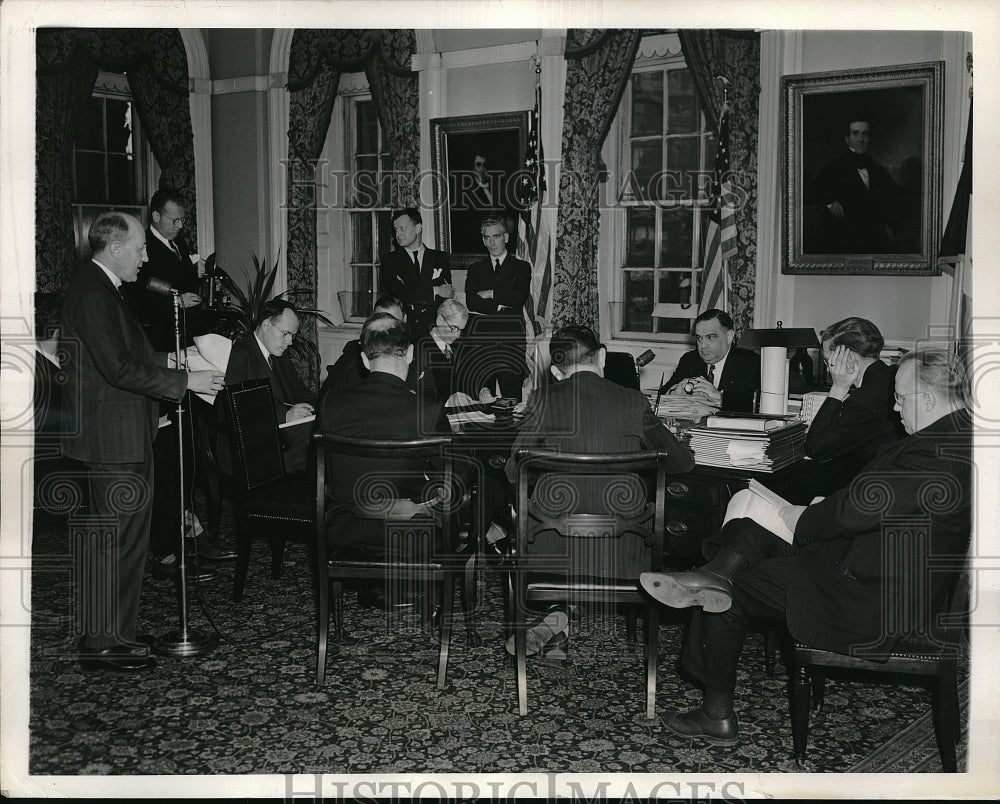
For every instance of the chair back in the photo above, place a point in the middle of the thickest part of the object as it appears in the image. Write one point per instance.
(591, 516)
(253, 433)
(619, 367)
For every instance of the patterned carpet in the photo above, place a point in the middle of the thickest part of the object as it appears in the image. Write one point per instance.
(251, 705)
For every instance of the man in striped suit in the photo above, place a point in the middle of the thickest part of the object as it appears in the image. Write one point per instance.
(113, 387)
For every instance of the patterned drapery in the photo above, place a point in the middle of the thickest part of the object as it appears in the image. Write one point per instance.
(598, 66)
(735, 55)
(67, 63)
(316, 61)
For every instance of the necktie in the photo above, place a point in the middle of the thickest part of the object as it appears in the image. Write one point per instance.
(496, 265)
(711, 373)
(173, 248)
(416, 261)
(270, 362)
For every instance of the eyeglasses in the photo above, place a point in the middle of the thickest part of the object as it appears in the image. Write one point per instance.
(899, 397)
(451, 326)
(285, 333)
(174, 221)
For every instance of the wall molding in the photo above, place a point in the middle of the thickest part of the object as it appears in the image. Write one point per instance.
(201, 124)
(480, 57)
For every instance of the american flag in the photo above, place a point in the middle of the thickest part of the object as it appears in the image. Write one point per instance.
(533, 231)
(720, 240)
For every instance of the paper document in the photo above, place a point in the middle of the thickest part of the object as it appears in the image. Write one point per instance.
(294, 422)
(761, 505)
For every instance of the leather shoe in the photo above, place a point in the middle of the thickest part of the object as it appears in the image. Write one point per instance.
(695, 588)
(556, 650)
(118, 659)
(555, 622)
(210, 550)
(695, 723)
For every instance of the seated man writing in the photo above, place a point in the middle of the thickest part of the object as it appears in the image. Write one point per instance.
(584, 412)
(723, 375)
(831, 584)
(262, 355)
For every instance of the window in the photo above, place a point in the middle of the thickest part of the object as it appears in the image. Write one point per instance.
(110, 158)
(666, 160)
(370, 166)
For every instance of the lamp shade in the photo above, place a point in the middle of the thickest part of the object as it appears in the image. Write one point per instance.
(792, 338)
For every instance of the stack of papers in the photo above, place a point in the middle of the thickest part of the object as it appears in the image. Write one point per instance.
(757, 450)
(683, 407)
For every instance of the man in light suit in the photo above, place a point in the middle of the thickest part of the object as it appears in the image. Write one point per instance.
(720, 372)
(416, 275)
(584, 412)
(846, 583)
(261, 355)
(112, 389)
(496, 288)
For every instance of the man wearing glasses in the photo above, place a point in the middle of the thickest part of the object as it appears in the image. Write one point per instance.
(435, 359)
(263, 355)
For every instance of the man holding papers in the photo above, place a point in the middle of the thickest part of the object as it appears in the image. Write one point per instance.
(843, 584)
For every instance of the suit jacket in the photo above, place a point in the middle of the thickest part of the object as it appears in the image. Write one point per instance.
(434, 370)
(587, 413)
(113, 375)
(846, 571)
(399, 278)
(349, 370)
(379, 406)
(510, 285)
(247, 362)
(155, 311)
(740, 377)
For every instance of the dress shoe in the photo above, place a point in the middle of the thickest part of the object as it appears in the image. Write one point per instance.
(556, 621)
(118, 659)
(211, 550)
(165, 569)
(695, 588)
(695, 723)
(556, 650)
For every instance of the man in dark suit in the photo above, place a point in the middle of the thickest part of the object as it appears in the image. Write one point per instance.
(433, 356)
(496, 288)
(856, 420)
(584, 412)
(721, 373)
(112, 389)
(261, 355)
(381, 405)
(845, 584)
(170, 261)
(860, 200)
(416, 275)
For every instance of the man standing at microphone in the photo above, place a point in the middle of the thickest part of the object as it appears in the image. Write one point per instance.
(113, 383)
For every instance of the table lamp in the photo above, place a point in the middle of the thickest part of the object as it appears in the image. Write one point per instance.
(774, 345)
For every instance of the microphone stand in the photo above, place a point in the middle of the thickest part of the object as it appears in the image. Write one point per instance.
(184, 642)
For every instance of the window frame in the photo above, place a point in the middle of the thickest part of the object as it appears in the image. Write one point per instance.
(659, 53)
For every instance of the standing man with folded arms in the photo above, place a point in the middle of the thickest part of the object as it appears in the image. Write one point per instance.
(113, 385)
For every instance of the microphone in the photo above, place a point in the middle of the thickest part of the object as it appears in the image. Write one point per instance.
(161, 286)
(645, 358)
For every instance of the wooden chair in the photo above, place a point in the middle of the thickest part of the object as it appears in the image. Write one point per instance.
(587, 548)
(418, 551)
(932, 656)
(267, 501)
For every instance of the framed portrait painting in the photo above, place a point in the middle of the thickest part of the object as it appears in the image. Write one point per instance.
(862, 171)
(477, 160)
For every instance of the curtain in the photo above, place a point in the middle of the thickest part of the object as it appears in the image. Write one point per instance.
(316, 60)
(67, 63)
(598, 66)
(735, 55)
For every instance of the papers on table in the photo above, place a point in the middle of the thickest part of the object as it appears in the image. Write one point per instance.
(749, 449)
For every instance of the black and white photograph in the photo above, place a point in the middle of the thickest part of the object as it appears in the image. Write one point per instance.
(371, 429)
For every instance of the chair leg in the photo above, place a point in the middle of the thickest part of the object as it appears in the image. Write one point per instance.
(800, 713)
(652, 650)
(244, 542)
(520, 625)
(469, 602)
(447, 595)
(947, 715)
(323, 615)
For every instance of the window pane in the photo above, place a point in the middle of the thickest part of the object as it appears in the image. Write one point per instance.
(366, 128)
(361, 237)
(121, 179)
(647, 104)
(638, 307)
(641, 237)
(682, 103)
(90, 134)
(362, 300)
(647, 162)
(90, 178)
(675, 287)
(711, 145)
(118, 116)
(366, 182)
(682, 164)
(675, 248)
(386, 241)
